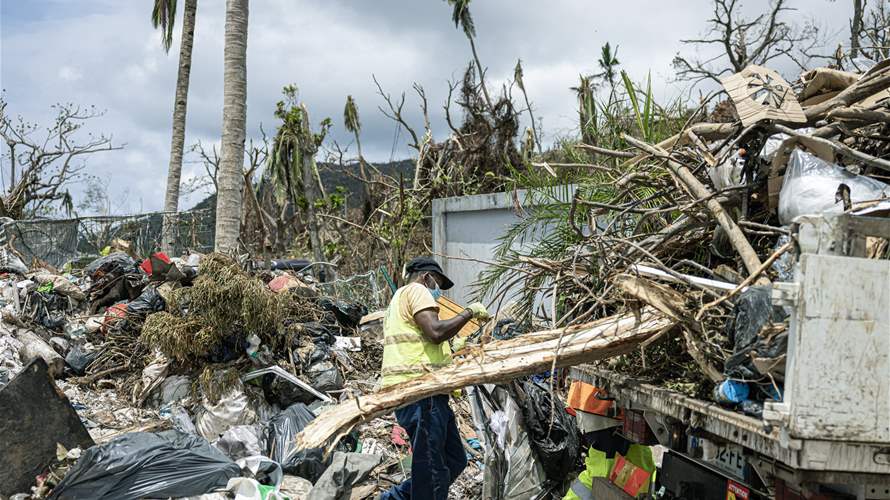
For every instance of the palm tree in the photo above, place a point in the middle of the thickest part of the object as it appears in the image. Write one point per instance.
(163, 17)
(229, 177)
(354, 125)
(293, 166)
(517, 77)
(462, 18)
(608, 62)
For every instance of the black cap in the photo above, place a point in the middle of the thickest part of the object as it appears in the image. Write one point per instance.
(421, 264)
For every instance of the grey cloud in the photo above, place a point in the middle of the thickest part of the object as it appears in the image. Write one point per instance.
(113, 59)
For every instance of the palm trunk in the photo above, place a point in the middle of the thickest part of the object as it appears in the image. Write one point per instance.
(312, 218)
(481, 75)
(174, 171)
(855, 29)
(230, 179)
(366, 210)
(311, 181)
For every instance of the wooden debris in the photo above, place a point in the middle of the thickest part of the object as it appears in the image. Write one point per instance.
(497, 362)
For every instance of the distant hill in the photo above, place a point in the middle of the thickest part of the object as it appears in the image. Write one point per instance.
(332, 176)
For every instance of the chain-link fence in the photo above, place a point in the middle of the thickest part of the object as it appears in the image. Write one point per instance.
(370, 289)
(59, 241)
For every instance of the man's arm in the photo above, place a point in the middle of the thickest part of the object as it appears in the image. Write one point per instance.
(438, 331)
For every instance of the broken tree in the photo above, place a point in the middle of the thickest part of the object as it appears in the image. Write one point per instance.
(496, 362)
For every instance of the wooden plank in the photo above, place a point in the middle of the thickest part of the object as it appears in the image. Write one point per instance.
(449, 309)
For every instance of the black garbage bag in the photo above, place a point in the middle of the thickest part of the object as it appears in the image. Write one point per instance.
(323, 374)
(148, 465)
(48, 309)
(279, 391)
(319, 333)
(117, 263)
(149, 301)
(281, 429)
(78, 359)
(309, 464)
(558, 446)
(753, 311)
(348, 315)
(279, 436)
(228, 349)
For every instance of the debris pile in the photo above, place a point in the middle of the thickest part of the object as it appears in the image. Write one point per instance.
(697, 226)
(194, 375)
(183, 376)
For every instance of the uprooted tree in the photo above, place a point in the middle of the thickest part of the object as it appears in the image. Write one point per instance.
(39, 164)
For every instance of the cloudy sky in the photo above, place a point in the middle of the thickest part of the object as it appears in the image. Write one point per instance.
(105, 53)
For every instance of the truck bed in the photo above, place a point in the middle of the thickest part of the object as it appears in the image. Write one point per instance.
(825, 461)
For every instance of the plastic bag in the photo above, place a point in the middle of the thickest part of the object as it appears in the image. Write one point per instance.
(555, 438)
(78, 359)
(250, 489)
(48, 309)
(347, 314)
(11, 263)
(241, 441)
(753, 310)
(512, 471)
(59, 285)
(262, 469)
(147, 465)
(346, 470)
(116, 263)
(148, 302)
(728, 174)
(212, 420)
(784, 265)
(280, 433)
(282, 428)
(811, 184)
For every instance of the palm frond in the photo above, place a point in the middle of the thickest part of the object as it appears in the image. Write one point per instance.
(163, 17)
(350, 116)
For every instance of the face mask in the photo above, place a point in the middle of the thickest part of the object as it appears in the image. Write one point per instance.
(435, 292)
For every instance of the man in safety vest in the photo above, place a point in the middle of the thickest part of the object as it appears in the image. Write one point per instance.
(415, 342)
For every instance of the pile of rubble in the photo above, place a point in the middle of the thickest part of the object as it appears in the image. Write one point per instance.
(188, 376)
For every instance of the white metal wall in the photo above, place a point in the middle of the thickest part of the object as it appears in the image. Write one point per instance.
(467, 229)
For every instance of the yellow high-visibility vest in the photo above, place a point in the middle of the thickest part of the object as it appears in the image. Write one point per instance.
(407, 354)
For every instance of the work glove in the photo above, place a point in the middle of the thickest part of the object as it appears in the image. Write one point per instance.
(479, 311)
(458, 343)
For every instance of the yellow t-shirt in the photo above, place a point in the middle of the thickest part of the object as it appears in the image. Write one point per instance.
(415, 298)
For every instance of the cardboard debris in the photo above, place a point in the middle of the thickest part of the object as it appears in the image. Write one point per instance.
(762, 94)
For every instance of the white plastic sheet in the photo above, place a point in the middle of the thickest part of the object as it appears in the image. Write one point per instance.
(811, 184)
(212, 420)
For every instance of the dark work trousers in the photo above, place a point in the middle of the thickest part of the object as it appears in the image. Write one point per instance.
(438, 451)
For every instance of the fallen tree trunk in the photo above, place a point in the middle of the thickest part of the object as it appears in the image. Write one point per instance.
(496, 362)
